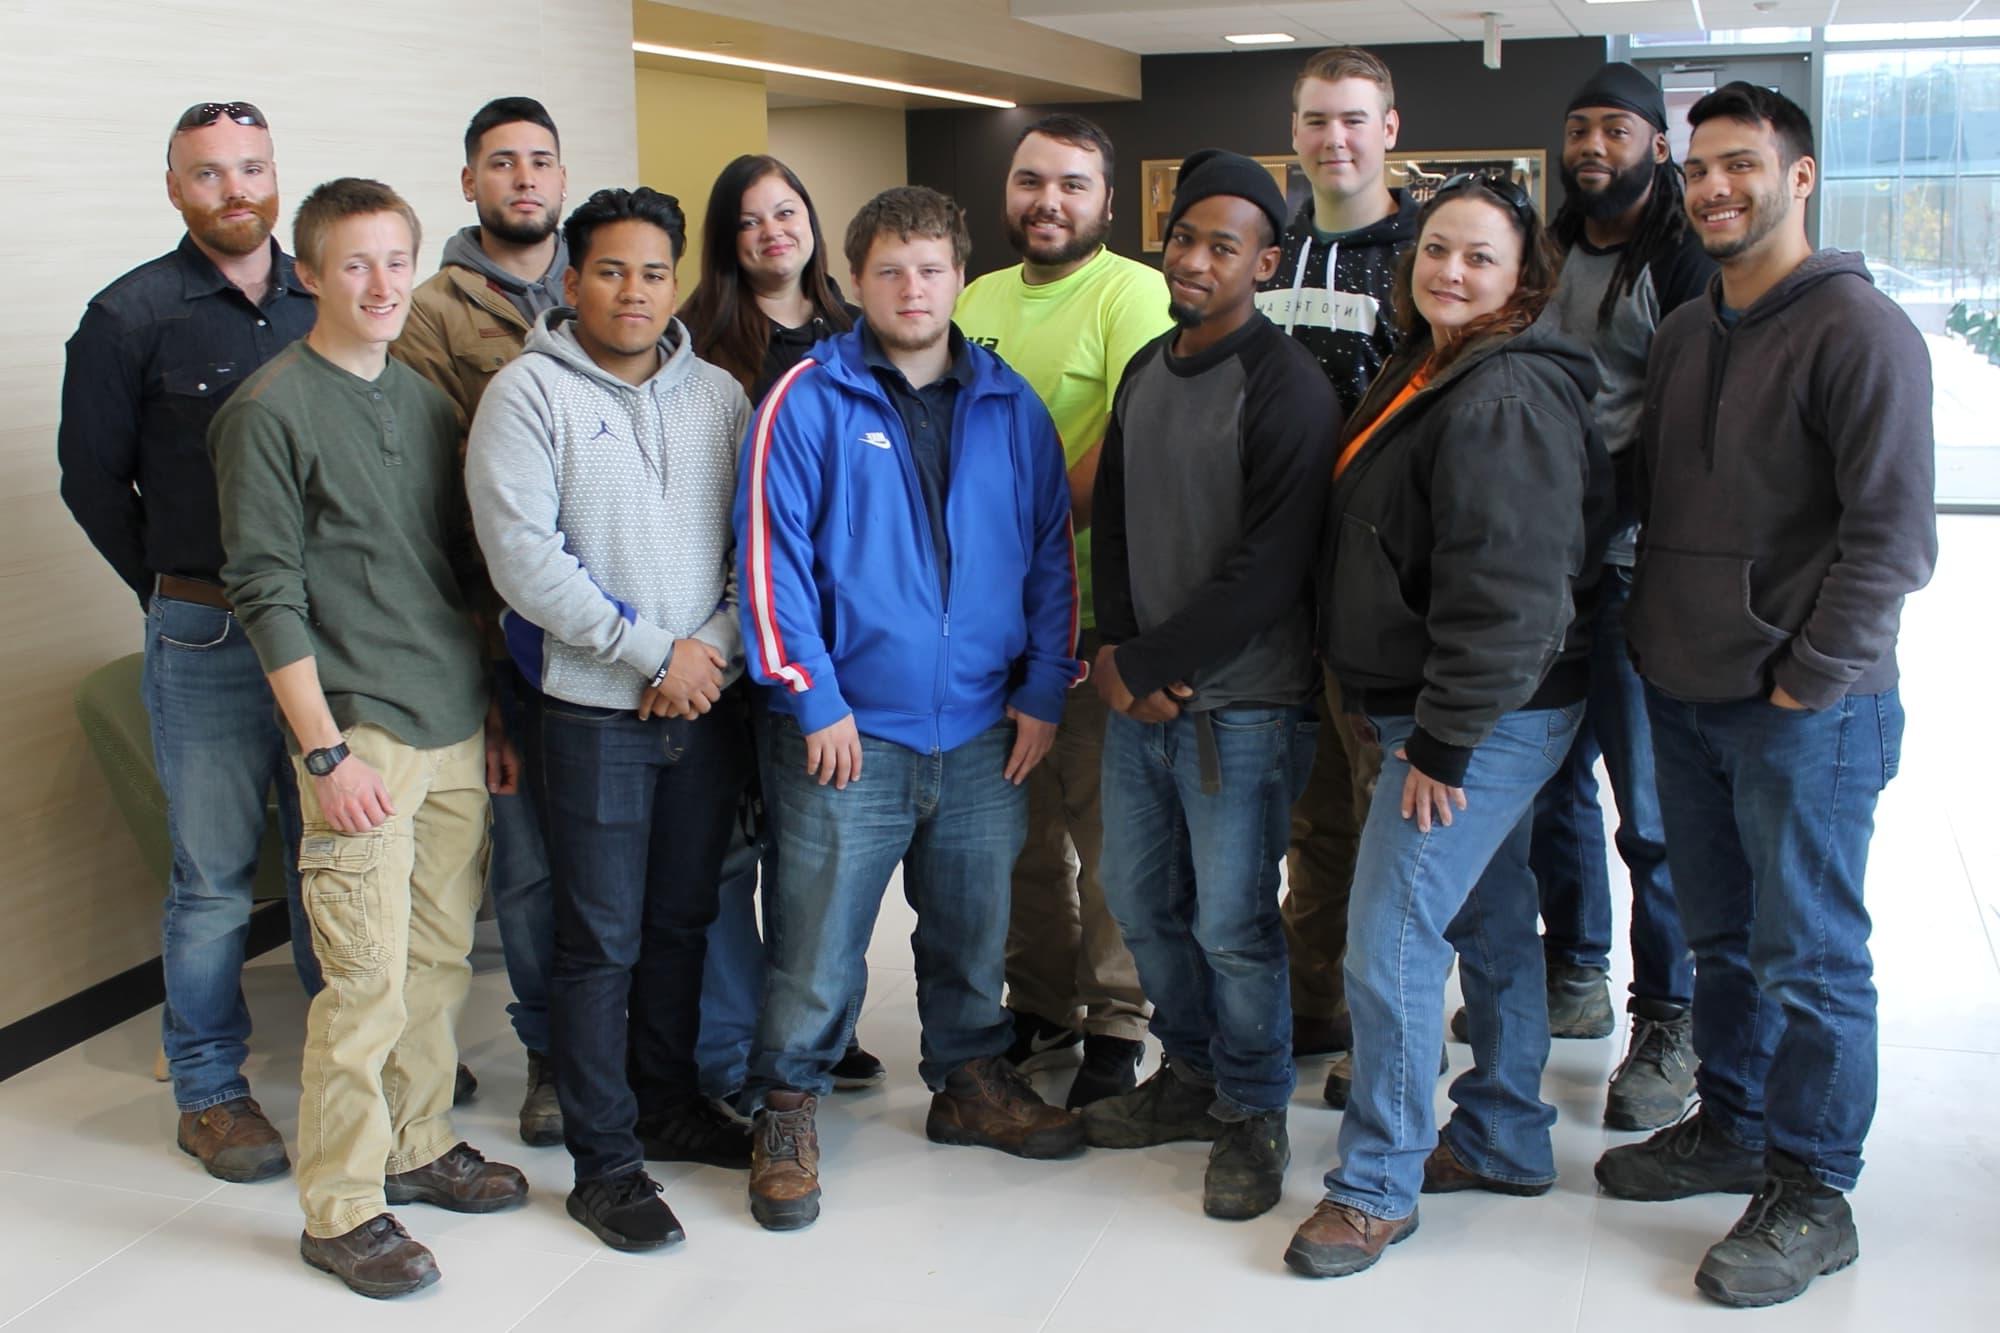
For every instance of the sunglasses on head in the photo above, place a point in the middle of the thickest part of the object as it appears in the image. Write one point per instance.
(1500, 187)
(207, 113)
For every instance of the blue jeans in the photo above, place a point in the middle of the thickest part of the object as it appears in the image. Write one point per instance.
(1569, 854)
(732, 979)
(1769, 815)
(1192, 877)
(1418, 898)
(218, 752)
(518, 877)
(639, 820)
(956, 824)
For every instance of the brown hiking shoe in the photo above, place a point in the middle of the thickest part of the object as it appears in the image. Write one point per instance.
(989, 1104)
(1445, 1174)
(1338, 1240)
(234, 1141)
(376, 1259)
(784, 1162)
(461, 1181)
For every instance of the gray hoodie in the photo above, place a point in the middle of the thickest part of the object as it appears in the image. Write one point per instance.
(603, 509)
(530, 298)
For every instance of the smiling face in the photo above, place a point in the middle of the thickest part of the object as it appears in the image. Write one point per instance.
(623, 291)
(224, 183)
(517, 182)
(773, 234)
(908, 287)
(1216, 254)
(1608, 159)
(1739, 192)
(1058, 207)
(1468, 264)
(361, 279)
(1342, 133)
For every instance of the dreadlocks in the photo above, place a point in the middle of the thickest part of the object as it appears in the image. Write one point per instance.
(1660, 229)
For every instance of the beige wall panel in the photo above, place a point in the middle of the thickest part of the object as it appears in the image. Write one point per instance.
(846, 155)
(690, 128)
(92, 87)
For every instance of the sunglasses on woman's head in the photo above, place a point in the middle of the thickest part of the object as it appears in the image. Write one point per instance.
(1501, 188)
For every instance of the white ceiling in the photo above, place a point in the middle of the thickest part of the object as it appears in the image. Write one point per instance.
(1155, 27)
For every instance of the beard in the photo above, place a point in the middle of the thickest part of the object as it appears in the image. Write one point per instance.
(515, 230)
(896, 340)
(1767, 210)
(240, 237)
(1185, 316)
(1082, 241)
(1624, 189)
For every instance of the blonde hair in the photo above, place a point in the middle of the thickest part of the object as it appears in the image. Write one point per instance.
(348, 197)
(1347, 62)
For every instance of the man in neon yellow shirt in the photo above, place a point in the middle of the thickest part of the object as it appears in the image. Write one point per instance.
(1068, 318)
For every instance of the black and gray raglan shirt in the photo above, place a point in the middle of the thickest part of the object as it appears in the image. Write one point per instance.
(1211, 489)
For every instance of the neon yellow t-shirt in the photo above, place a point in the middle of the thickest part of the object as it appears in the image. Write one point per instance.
(1070, 339)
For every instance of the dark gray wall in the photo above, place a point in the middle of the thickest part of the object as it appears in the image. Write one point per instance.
(1447, 98)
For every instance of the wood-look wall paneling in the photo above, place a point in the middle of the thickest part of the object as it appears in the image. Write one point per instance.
(1447, 100)
(92, 88)
(690, 128)
(846, 155)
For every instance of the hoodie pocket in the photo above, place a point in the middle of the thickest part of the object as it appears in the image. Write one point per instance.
(1692, 629)
(1375, 633)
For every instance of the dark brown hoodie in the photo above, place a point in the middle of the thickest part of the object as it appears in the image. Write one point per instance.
(1785, 491)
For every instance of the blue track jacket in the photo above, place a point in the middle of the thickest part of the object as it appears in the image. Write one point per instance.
(839, 576)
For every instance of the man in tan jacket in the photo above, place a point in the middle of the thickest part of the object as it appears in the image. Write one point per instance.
(465, 323)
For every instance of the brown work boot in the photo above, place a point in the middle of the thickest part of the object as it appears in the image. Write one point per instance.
(1445, 1174)
(461, 1181)
(784, 1162)
(1338, 1240)
(376, 1259)
(989, 1104)
(234, 1141)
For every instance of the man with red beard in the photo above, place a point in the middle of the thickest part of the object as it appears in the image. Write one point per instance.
(157, 353)
(1067, 319)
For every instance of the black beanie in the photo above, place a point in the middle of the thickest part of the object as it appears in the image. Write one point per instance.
(1214, 171)
(1619, 84)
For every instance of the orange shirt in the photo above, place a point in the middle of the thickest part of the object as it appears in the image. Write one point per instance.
(1408, 391)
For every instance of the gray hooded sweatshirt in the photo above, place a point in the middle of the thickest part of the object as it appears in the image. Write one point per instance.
(603, 509)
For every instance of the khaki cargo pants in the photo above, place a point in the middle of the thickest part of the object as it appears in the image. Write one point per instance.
(1319, 867)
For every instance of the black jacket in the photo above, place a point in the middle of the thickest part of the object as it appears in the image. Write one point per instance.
(1463, 542)
(1786, 491)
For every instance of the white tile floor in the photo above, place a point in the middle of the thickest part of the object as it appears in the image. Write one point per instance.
(107, 1227)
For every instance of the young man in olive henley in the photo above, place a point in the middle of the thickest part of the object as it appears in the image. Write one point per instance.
(341, 504)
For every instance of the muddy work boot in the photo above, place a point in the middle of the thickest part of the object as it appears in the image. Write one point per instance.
(1652, 1084)
(1169, 1107)
(784, 1162)
(1246, 1167)
(234, 1142)
(1795, 1229)
(376, 1259)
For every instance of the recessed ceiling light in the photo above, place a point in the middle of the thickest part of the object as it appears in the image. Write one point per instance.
(807, 72)
(1617, 2)
(1258, 38)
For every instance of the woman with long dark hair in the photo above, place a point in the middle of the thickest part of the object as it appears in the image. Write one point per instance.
(764, 295)
(1471, 501)
(764, 298)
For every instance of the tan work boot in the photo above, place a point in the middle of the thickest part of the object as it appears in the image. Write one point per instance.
(989, 1104)
(376, 1259)
(784, 1162)
(1338, 1240)
(234, 1141)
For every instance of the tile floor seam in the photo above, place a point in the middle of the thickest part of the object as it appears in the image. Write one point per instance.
(214, 1190)
(548, 1295)
(48, 1296)
(1979, 906)
(1082, 1264)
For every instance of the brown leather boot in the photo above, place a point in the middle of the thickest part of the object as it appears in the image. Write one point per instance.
(376, 1259)
(784, 1162)
(1337, 1240)
(234, 1141)
(988, 1104)
(1445, 1174)
(461, 1181)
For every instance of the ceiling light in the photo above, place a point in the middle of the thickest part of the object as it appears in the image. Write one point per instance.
(806, 72)
(1617, 2)
(1258, 38)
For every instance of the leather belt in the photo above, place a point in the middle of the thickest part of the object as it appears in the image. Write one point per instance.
(190, 590)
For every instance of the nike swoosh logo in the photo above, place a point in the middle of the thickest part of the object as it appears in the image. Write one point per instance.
(1038, 1043)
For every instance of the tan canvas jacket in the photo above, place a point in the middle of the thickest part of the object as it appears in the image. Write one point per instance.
(459, 334)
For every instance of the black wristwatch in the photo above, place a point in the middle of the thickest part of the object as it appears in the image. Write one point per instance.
(319, 763)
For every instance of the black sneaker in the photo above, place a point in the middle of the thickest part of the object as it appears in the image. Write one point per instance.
(1679, 1162)
(1795, 1229)
(1340, 1077)
(464, 1087)
(695, 1131)
(626, 1212)
(1040, 1044)
(1110, 1069)
(1169, 1107)
(1246, 1167)
(1579, 1002)
(1652, 1084)
(857, 1069)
